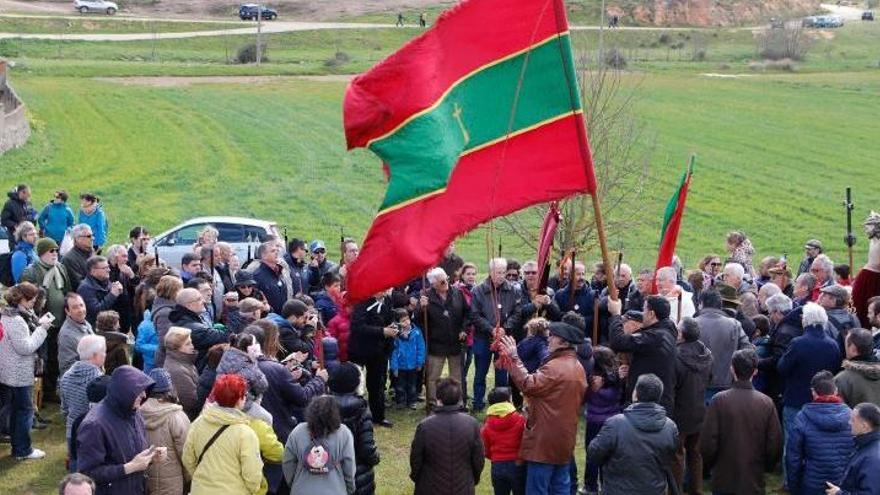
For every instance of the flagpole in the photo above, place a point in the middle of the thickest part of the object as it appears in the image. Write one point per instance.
(603, 242)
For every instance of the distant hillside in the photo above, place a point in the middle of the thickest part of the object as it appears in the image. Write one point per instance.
(693, 12)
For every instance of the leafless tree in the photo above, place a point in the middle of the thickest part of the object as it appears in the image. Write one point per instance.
(621, 150)
(791, 42)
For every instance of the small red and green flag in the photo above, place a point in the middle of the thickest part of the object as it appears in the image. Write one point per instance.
(672, 218)
(478, 117)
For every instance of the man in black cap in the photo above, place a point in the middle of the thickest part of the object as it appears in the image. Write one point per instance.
(812, 248)
(652, 346)
(555, 392)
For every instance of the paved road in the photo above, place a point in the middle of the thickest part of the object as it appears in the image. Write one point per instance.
(846, 13)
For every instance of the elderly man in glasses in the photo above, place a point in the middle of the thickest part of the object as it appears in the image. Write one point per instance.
(75, 259)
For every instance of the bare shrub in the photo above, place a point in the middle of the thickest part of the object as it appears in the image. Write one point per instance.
(791, 42)
(247, 54)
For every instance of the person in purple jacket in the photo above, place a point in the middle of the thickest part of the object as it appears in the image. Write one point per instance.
(112, 446)
(604, 399)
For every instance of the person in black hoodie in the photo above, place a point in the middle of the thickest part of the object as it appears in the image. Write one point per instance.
(693, 368)
(17, 209)
(356, 416)
(652, 346)
(370, 342)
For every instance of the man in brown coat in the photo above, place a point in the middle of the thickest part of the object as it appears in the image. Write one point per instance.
(555, 393)
(741, 436)
(446, 455)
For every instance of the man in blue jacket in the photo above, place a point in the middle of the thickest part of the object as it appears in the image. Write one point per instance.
(808, 354)
(821, 440)
(862, 474)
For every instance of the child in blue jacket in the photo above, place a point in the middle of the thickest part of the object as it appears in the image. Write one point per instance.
(407, 360)
(147, 341)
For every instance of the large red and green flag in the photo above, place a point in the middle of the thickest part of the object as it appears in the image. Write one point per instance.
(478, 117)
(672, 218)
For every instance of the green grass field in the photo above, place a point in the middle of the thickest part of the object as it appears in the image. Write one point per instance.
(775, 150)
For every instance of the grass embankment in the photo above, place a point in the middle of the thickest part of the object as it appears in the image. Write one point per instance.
(103, 25)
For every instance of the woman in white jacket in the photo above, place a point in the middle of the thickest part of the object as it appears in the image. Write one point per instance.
(23, 335)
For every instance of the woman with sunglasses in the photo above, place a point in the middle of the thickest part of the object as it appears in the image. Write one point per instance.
(711, 267)
(56, 217)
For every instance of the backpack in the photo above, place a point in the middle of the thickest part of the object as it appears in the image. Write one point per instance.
(317, 459)
(6, 278)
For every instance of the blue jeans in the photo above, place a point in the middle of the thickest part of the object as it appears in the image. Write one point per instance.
(482, 358)
(405, 390)
(788, 415)
(508, 478)
(591, 476)
(548, 479)
(21, 420)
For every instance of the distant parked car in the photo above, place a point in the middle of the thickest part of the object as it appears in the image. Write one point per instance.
(868, 15)
(244, 234)
(4, 242)
(249, 11)
(95, 6)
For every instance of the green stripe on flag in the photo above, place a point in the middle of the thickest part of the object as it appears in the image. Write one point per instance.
(476, 112)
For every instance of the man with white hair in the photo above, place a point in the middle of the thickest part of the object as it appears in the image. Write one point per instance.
(808, 354)
(92, 350)
(681, 302)
(785, 325)
(734, 275)
(766, 292)
(823, 269)
(448, 315)
(535, 304)
(496, 304)
(75, 260)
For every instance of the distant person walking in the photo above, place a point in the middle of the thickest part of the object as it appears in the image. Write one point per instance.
(399, 22)
(423, 20)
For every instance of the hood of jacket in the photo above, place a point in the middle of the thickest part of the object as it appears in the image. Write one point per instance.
(695, 356)
(330, 346)
(126, 383)
(350, 405)
(219, 416)
(156, 413)
(830, 417)
(239, 363)
(870, 369)
(646, 416)
(793, 317)
(81, 373)
(180, 316)
(501, 418)
(25, 247)
(99, 208)
(160, 303)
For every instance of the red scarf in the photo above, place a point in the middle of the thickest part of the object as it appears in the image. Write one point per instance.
(828, 399)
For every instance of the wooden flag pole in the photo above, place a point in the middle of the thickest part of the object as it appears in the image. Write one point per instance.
(603, 243)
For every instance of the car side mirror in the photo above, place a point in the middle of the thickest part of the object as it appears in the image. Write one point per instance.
(171, 241)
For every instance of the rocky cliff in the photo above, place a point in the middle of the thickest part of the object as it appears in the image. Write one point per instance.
(707, 12)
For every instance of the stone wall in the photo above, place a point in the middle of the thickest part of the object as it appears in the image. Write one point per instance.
(14, 127)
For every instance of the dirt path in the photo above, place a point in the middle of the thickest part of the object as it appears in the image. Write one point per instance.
(846, 13)
(182, 81)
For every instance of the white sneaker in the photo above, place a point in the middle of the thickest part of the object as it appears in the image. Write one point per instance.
(35, 454)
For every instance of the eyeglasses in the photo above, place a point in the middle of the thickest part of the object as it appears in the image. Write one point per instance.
(53, 250)
(86, 236)
(715, 264)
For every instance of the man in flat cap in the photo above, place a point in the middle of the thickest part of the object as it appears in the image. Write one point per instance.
(834, 298)
(812, 249)
(555, 393)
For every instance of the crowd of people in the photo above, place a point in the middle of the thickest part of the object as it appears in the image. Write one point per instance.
(260, 377)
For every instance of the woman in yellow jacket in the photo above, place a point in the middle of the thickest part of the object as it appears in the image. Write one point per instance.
(222, 451)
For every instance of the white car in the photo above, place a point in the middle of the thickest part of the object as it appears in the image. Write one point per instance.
(244, 234)
(4, 242)
(95, 6)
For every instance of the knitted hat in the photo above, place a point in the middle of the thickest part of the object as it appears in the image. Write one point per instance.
(45, 244)
(162, 379)
(345, 379)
